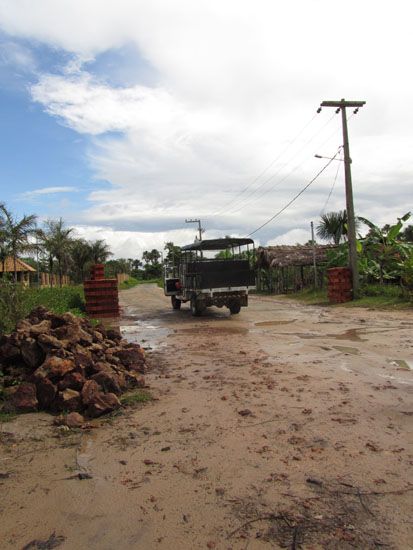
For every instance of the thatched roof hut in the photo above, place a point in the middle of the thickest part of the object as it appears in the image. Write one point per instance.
(23, 270)
(297, 255)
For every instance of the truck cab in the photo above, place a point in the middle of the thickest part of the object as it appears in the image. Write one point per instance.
(214, 272)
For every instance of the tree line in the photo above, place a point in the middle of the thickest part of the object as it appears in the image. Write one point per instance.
(53, 248)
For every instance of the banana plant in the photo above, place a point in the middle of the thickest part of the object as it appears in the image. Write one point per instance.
(382, 252)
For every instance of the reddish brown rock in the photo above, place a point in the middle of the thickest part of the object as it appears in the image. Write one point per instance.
(43, 327)
(132, 357)
(9, 352)
(114, 334)
(46, 392)
(73, 334)
(74, 420)
(67, 400)
(73, 380)
(23, 327)
(32, 353)
(48, 341)
(54, 368)
(102, 403)
(89, 391)
(134, 380)
(24, 398)
(84, 361)
(101, 366)
(109, 382)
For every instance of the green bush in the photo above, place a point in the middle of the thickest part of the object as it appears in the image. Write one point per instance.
(16, 302)
(11, 305)
(58, 300)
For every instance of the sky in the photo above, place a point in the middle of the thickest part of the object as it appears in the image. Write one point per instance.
(127, 117)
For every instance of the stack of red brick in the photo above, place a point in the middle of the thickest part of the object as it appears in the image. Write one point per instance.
(339, 285)
(101, 294)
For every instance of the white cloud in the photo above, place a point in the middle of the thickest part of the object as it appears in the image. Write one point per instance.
(291, 237)
(35, 193)
(17, 55)
(131, 244)
(235, 81)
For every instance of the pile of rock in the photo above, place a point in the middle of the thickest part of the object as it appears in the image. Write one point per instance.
(61, 363)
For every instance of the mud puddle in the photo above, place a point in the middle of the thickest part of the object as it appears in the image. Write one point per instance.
(213, 330)
(402, 364)
(275, 323)
(146, 333)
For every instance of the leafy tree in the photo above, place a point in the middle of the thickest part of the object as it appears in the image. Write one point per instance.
(383, 254)
(172, 253)
(333, 226)
(81, 255)
(100, 251)
(151, 257)
(56, 240)
(152, 267)
(15, 235)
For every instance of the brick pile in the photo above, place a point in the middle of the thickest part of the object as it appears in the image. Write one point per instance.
(101, 294)
(340, 287)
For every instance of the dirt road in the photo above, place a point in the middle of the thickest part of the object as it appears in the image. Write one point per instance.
(285, 426)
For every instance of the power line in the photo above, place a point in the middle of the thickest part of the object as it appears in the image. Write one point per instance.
(296, 196)
(331, 190)
(265, 191)
(290, 143)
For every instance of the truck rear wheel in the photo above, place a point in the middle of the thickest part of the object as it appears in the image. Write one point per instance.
(197, 307)
(176, 304)
(235, 307)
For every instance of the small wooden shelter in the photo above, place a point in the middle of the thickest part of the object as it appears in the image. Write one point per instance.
(287, 256)
(23, 270)
(287, 268)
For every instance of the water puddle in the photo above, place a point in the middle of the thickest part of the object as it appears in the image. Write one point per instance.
(402, 364)
(347, 349)
(213, 330)
(274, 323)
(350, 334)
(145, 333)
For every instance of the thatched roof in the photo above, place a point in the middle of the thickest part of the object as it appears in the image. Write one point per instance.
(297, 255)
(20, 265)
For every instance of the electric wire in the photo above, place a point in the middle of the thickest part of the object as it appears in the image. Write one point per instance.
(331, 190)
(295, 197)
(265, 191)
(290, 143)
(242, 205)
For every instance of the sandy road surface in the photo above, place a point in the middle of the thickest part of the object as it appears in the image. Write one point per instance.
(286, 426)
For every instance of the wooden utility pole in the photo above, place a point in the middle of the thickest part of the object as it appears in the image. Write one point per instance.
(314, 258)
(351, 229)
(200, 230)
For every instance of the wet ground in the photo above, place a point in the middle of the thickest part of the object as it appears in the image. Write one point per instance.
(285, 426)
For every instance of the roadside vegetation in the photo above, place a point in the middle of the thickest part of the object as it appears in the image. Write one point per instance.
(373, 296)
(385, 256)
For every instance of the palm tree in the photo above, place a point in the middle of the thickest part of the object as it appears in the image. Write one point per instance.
(4, 248)
(16, 235)
(100, 251)
(333, 227)
(81, 254)
(56, 241)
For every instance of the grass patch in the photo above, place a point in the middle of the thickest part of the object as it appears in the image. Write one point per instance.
(131, 282)
(133, 398)
(7, 416)
(58, 300)
(372, 296)
(16, 302)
